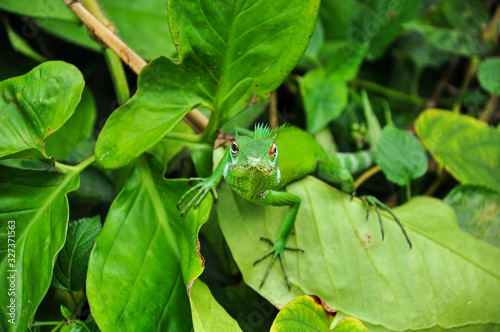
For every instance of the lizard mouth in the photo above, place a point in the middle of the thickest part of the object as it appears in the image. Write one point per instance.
(254, 167)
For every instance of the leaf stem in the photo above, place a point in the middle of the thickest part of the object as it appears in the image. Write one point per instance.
(77, 168)
(117, 76)
(366, 175)
(408, 191)
(48, 323)
(390, 92)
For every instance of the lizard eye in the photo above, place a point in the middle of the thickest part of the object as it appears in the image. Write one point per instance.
(272, 150)
(234, 148)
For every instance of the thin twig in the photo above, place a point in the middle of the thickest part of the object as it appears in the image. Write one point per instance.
(366, 175)
(132, 59)
(273, 110)
(195, 119)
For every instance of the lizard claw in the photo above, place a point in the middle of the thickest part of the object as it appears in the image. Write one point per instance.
(277, 253)
(201, 190)
(375, 202)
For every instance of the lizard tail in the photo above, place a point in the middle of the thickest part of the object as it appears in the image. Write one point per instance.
(355, 161)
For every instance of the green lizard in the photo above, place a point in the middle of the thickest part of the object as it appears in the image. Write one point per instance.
(257, 168)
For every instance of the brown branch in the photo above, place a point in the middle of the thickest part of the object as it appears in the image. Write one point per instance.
(273, 110)
(194, 118)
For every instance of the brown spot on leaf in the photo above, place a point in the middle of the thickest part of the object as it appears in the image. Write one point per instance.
(10, 100)
(251, 100)
(322, 303)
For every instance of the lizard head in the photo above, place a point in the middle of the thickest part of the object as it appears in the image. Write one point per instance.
(253, 163)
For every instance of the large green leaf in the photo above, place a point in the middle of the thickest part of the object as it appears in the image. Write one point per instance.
(146, 258)
(401, 156)
(232, 56)
(449, 279)
(466, 147)
(35, 201)
(35, 105)
(70, 270)
(478, 211)
(249, 47)
(165, 93)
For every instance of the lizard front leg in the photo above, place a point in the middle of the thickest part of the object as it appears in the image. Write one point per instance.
(280, 198)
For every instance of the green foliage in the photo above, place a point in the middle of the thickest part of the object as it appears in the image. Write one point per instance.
(478, 211)
(318, 317)
(489, 75)
(31, 110)
(466, 147)
(343, 251)
(36, 201)
(70, 270)
(401, 156)
(152, 277)
(360, 75)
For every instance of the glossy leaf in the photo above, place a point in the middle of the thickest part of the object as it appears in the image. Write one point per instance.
(70, 270)
(478, 211)
(246, 47)
(229, 62)
(35, 105)
(325, 97)
(305, 313)
(79, 127)
(36, 201)
(208, 315)
(401, 156)
(454, 278)
(166, 92)
(489, 75)
(146, 258)
(466, 147)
